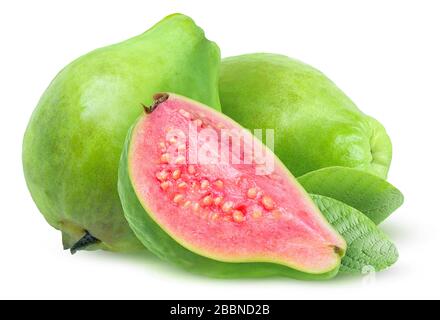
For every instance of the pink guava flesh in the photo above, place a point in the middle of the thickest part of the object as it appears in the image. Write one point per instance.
(224, 210)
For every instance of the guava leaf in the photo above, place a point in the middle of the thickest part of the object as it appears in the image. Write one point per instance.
(372, 195)
(367, 245)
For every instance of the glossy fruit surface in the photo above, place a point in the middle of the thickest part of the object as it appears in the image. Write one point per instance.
(316, 124)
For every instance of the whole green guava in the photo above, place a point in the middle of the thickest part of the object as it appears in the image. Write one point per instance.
(73, 142)
(316, 124)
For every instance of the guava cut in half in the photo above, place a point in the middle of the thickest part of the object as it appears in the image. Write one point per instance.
(200, 191)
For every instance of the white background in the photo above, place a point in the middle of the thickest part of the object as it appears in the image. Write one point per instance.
(384, 54)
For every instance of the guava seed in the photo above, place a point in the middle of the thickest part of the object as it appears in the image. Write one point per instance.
(267, 202)
(162, 175)
(252, 193)
(227, 206)
(176, 174)
(165, 158)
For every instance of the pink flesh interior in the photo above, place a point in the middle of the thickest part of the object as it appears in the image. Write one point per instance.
(224, 211)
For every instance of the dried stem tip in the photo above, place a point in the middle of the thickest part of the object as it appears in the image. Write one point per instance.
(158, 99)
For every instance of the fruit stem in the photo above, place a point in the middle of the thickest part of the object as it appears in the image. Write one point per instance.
(158, 99)
(84, 242)
(339, 251)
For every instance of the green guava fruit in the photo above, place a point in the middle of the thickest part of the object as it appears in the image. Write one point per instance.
(371, 195)
(368, 248)
(316, 125)
(75, 137)
(201, 192)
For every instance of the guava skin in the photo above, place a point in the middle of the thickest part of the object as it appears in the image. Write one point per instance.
(75, 137)
(316, 124)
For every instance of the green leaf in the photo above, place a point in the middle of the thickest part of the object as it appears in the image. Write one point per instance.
(371, 195)
(368, 246)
